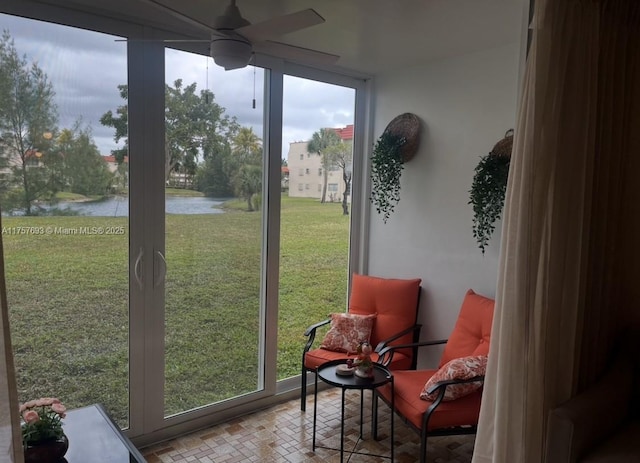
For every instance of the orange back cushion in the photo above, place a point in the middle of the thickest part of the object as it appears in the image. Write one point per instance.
(394, 301)
(472, 332)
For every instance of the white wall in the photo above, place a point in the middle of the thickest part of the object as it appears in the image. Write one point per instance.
(466, 103)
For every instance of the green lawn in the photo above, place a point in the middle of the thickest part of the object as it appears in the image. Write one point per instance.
(68, 299)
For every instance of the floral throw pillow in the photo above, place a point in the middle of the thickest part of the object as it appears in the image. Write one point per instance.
(460, 368)
(347, 332)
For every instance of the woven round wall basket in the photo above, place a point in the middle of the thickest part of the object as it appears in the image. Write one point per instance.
(407, 126)
(504, 146)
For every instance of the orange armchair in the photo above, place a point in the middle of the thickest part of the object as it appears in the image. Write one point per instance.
(394, 302)
(440, 416)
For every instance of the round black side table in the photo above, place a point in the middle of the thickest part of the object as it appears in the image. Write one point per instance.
(327, 373)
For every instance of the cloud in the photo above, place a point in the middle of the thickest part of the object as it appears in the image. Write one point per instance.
(86, 68)
(311, 105)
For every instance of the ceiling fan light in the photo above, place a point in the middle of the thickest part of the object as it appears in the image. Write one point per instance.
(231, 53)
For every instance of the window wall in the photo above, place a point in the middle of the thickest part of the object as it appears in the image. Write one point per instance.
(162, 295)
(315, 231)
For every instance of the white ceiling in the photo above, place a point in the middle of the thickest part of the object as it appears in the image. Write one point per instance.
(371, 36)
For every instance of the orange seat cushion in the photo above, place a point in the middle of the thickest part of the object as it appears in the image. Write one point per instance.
(472, 332)
(394, 301)
(408, 385)
(316, 357)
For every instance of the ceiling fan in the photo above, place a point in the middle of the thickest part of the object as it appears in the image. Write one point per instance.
(234, 39)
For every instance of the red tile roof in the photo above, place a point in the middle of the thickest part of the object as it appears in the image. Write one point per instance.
(112, 158)
(345, 133)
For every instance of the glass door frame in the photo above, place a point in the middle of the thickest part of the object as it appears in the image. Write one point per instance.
(360, 183)
(146, 222)
(146, 133)
(146, 243)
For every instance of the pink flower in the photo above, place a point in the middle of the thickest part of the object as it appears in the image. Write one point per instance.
(31, 416)
(58, 408)
(45, 401)
(30, 404)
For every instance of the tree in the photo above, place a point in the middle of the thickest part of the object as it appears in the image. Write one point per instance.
(212, 177)
(85, 171)
(318, 144)
(120, 123)
(342, 155)
(247, 146)
(247, 154)
(28, 117)
(284, 175)
(248, 182)
(195, 126)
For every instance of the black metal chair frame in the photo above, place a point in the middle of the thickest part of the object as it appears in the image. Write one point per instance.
(310, 333)
(386, 355)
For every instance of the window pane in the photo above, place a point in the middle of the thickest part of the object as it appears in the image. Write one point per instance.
(64, 200)
(213, 206)
(314, 242)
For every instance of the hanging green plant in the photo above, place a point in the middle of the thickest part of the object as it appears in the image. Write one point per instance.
(488, 190)
(386, 168)
(396, 146)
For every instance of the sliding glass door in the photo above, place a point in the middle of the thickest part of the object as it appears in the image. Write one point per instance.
(214, 176)
(145, 274)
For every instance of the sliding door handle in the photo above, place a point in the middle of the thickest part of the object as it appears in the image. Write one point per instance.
(160, 270)
(137, 269)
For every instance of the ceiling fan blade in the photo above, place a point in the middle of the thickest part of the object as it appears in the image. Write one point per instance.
(165, 40)
(281, 25)
(293, 53)
(181, 16)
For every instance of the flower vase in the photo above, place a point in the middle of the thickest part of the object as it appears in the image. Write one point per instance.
(364, 372)
(47, 451)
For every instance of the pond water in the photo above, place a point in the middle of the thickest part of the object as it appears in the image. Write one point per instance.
(119, 206)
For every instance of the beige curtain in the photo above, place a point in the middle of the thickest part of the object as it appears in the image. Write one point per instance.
(10, 436)
(570, 249)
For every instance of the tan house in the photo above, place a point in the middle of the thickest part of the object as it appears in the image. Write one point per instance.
(306, 174)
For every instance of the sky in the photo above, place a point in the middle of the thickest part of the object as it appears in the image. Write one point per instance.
(86, 67)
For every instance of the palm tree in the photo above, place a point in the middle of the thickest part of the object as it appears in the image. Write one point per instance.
(248, 146)
(248, 182)
(318, 144)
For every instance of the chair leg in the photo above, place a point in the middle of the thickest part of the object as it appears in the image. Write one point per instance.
(303, 389)
(423, 446)
(374, 416)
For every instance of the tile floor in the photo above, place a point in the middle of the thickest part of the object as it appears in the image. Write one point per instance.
(284, 434)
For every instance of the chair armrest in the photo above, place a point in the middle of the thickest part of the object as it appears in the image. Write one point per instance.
(382, 344)
(441, 387)
(386, 354)
(591, 416)
(312, 329)
(311, 333)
